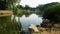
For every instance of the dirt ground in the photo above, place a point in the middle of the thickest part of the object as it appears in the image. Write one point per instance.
(47, 31)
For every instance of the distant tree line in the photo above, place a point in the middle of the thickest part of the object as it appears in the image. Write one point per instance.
(39, 9)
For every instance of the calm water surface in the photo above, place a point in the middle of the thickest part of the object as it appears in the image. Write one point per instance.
(32, 19)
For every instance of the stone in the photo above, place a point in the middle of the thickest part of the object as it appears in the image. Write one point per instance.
(33, 27)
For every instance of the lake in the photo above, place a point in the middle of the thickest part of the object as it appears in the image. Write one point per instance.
(32, 19)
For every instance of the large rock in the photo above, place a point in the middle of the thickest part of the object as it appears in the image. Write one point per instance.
(33, 27)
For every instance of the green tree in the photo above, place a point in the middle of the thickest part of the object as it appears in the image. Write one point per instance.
(27, 7)
(20, 7)
(52, 13)
(5, 4)
(40, 8)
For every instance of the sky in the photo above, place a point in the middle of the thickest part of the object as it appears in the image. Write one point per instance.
(34, 3)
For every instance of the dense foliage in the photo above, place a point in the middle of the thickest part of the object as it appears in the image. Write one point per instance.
(53, 13)
(8, 26)
(43, 7)
(5, 4)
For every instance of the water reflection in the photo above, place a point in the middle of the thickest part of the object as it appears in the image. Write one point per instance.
(32, 19)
